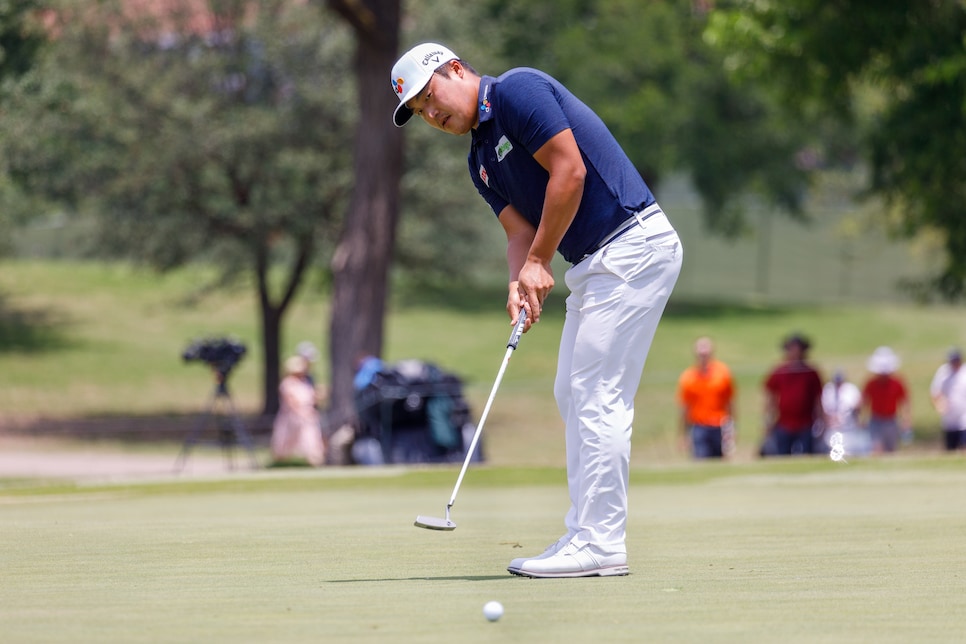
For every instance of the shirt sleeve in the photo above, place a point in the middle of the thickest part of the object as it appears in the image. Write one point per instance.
(936, 386)
(771, 382)
(683, 381)
(531, 110)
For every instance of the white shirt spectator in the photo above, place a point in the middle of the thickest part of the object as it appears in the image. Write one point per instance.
(840, 401)
(948, 391)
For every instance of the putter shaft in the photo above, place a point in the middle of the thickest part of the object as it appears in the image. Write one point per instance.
(433, 523)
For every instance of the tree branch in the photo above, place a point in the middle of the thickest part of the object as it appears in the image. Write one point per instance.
(356, 12)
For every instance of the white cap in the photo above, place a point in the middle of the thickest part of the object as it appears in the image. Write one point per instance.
(308, 351)
(883, 361)
(412, 72)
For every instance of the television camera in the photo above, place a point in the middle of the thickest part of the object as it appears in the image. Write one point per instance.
(221, 354)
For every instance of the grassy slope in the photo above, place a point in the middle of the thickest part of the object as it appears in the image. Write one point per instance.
(84, 339)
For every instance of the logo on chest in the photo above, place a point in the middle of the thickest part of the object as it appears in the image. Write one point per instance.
(485, 177)
(503, 148)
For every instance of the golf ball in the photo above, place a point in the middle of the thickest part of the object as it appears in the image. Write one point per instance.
(493, 610)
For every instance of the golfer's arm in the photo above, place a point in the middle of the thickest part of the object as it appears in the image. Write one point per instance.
(560, 157)
(519, 239)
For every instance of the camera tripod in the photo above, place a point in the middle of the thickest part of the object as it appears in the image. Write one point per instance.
(231, 430)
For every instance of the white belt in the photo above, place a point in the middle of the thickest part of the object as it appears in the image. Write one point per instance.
(652, 221)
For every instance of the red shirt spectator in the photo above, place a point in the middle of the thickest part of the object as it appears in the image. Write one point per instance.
(796, 389)
(886, 401)
(884, 394)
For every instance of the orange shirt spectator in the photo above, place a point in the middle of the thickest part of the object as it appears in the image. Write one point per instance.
(705, 392)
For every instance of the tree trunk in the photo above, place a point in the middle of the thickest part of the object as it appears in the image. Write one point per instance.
(363, 257)
(272, 315)
(271, 343)
(271, 330)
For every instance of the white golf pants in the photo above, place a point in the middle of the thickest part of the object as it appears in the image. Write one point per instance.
(617, 297)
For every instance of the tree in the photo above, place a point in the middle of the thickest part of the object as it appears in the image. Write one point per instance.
(20, 39)
(896, 71)
(425, 199)
(644, 67)
(20, 36)
(195, 134)
(360, 265)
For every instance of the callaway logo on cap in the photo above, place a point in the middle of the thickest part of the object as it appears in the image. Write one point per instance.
(412, 72)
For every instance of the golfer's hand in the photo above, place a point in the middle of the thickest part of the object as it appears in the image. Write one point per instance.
(514, 304)
(534, 285)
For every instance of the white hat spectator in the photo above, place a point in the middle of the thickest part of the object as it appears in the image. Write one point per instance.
(883, 361)
(308, 351)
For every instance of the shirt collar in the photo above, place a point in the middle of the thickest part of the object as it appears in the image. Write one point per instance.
(486, 92)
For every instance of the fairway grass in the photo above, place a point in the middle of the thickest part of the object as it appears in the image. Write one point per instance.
(777, 551)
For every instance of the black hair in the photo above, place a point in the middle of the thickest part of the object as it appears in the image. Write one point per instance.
(443, 70)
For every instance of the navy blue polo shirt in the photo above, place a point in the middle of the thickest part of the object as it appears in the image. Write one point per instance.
(519, 112)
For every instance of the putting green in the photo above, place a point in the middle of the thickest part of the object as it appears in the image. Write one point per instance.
(782, 552)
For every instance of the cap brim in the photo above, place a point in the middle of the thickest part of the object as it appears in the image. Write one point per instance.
(402, 115)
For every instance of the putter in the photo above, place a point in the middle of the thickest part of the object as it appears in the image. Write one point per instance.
(436, 523)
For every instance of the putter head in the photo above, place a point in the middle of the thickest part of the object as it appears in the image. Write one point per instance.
(434, 523)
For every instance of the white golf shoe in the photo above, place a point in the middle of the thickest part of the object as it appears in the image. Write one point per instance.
(552, 549)
(572, 560)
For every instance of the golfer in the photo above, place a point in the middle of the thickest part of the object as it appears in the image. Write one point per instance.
(557, 180)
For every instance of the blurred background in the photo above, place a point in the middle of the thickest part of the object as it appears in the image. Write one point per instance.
(172, 170)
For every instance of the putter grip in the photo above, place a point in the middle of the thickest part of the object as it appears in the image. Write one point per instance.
(517, 331)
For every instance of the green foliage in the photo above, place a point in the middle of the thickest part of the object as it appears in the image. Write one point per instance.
(218, 132)
(912, 58)
(187, 144)
(20, 36)
(20, 41)
(644, 67)
(446, 231)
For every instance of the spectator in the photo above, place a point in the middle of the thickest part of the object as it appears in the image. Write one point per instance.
(308, 351)
(885, 401)
(793, 402)
(948, 393)
(841, 401)
(705, 392)
(367, 368)
(297, 430)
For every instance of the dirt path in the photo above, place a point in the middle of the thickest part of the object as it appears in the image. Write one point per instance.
(23, 457)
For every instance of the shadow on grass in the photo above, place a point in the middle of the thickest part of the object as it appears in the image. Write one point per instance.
(135, 428)
(455, 578)
(31, 330)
